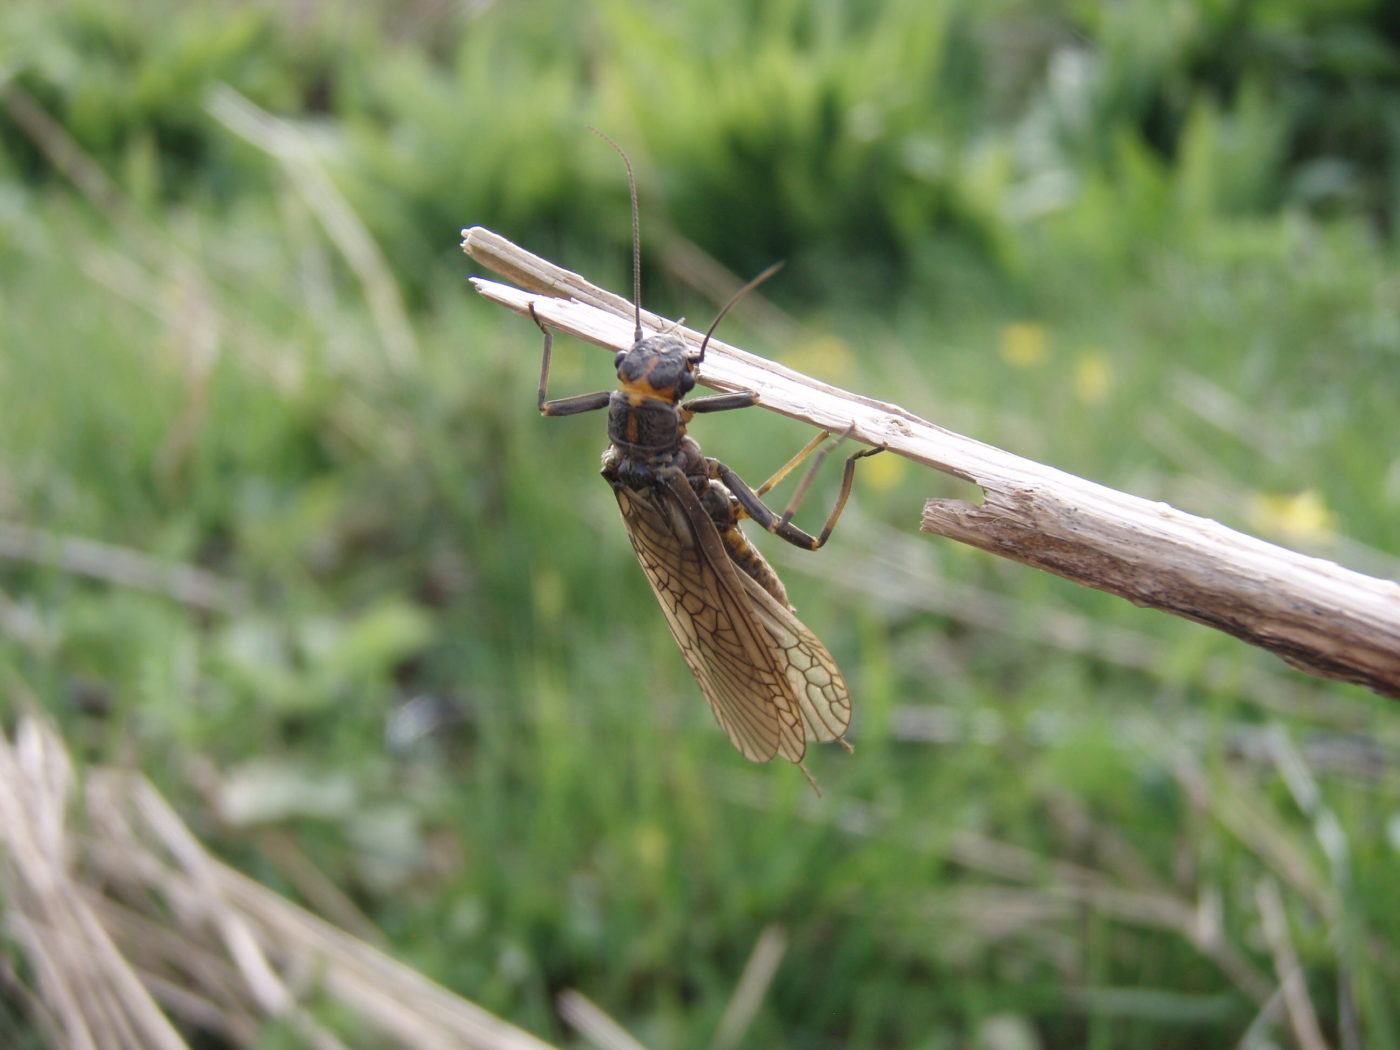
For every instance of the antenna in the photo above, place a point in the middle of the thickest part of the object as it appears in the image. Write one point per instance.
(734, 299)
(636, 238)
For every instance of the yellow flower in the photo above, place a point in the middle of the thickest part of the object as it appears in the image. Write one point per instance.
(650, 847)
(1302, 516)
(825, 357)
(1024, 344)
(1092, 377)
(882, 472)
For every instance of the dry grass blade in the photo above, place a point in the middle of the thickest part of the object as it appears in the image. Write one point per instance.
(93, 996)
(294, 151)
(1301, 1014)
(758, 974)
(1238, 807)
(121, 565)
(1058, 891)
(125, 921)
(595, 1025)
(62, 150)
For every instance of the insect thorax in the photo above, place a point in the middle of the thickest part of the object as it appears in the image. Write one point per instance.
(648, 441)
(647, 430)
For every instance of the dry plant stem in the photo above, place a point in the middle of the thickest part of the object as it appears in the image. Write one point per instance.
(118, 910)
(1321, 618)
(593, 1024)
(753, 985)
(121, 565)
(1301, 1014)
(297, 154)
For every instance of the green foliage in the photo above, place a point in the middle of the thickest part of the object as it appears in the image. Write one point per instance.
(1147, 242)
(905, 139)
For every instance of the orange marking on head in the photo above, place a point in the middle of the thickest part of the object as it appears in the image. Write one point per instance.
(637, 389)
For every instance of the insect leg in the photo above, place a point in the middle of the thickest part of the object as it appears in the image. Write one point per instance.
(781, 524)
(719, 403)
(563, 406)
(787, 467)
(847, 478)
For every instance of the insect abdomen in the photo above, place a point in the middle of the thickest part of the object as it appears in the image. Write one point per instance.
(746, 556)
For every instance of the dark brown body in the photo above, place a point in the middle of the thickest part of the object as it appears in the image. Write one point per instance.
(770, 682)
(649, 445)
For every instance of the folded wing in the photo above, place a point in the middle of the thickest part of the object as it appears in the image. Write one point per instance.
(771, 684)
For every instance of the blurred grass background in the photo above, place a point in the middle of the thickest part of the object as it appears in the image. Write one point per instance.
(1149, 242)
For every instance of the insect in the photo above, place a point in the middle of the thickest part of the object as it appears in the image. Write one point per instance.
(771, 684)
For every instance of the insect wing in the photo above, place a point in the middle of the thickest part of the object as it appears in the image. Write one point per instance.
(822, 697)
(729, 648)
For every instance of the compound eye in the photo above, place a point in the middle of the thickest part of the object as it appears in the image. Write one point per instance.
(618, 359)
(686, 383)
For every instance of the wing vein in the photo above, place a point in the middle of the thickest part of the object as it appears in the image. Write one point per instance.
(770, 683)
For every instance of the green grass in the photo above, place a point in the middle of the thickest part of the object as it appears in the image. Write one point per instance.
(1060, 259)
